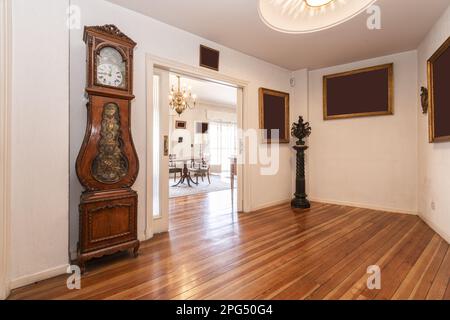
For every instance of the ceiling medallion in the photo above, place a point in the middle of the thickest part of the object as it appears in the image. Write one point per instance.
(306, 16)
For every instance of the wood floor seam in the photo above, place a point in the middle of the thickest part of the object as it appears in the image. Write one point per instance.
(212, 252)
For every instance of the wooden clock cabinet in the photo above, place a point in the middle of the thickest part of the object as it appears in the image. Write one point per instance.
(108, 165)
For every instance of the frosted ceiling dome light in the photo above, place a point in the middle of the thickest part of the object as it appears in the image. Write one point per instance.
(306, 16)
(317, 3)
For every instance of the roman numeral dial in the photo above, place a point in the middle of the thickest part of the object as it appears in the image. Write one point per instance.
(109, 75)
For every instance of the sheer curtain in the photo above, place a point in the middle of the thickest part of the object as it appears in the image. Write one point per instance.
(222, 140)
(156, 147)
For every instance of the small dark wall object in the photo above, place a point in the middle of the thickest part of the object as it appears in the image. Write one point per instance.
(301, 130)
(439, 95)
(180, 125)
(209, 58)
(180, 140)
(359, 93)
(424, 99)
(274, 114)
(300, 200)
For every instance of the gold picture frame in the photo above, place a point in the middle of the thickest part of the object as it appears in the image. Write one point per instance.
(390, 107)
(180, 124)
(431, 94)
(283, 124)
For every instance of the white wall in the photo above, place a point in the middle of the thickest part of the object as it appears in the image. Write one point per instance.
(5, 161)
(370, 162)
(162, 40)
(40, 144)
(434, 159)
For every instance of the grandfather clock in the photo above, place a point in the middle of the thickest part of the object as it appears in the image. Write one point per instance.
(108, 165)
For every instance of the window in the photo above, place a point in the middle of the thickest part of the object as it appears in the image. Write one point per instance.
(222, 143)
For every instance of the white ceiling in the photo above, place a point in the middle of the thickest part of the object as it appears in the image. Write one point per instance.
(236, 24)
(208, 92)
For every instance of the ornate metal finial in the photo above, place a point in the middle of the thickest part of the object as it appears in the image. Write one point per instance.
(424, 99)
(301, 130)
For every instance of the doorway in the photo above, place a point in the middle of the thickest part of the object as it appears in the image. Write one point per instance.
(202, 136)
(188, 156)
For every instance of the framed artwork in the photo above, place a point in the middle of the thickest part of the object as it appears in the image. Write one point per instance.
(439, 94)
(180, 124)
(209, 58)
(274, 114)
(359, 93)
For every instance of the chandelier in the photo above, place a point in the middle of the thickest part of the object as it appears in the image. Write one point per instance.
(305, 16)
(181, 99)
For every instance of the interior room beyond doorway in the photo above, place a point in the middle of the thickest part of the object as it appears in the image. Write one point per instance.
(203, 137)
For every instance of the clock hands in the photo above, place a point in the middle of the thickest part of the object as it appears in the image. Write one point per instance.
(109, 75)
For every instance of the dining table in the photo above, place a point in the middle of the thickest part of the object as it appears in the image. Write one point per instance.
(185, 176)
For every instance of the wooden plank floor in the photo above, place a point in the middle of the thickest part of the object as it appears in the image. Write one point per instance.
(213, 253)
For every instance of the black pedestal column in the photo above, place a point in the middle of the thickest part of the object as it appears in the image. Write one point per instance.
(300, 201)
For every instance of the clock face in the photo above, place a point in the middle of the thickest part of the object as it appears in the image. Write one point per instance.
(109, 75)
(111, 68)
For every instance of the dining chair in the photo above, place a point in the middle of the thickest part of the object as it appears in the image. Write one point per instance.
(200, 169)
(173, 167)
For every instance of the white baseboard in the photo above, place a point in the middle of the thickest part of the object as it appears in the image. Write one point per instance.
(268, 205)
(363, 206)
(436, 228)
(4, 291)
(40, 276)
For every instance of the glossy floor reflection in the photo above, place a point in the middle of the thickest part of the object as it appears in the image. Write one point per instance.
(211, 252)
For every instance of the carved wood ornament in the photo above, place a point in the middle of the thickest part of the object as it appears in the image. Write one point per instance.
(108, 165)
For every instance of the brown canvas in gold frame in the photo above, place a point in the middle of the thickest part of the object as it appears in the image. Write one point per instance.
(274, 114)
(180, 125)
(439, 94)
(359, 93)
